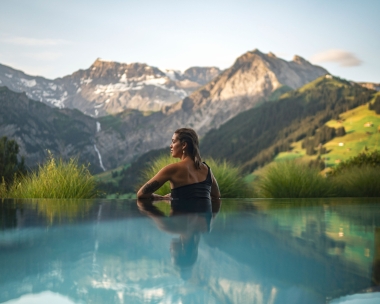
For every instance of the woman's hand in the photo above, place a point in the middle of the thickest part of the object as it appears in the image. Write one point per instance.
(158, 197)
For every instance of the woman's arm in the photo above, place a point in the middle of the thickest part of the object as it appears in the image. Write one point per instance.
(155, 183)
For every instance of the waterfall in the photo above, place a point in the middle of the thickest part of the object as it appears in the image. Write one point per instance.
(96, 148)
(100, 158)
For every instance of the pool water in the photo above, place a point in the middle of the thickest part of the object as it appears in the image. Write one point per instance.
(244, 251)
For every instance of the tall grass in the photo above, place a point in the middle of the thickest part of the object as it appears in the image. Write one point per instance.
(355, 181)
(55, 179)
(155, 166)
(3, 188)
(229, 177)
(292, 179)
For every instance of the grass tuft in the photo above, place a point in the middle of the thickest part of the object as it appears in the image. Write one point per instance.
(55, 179)
(292, 179)
(230, 179)
(358, 181)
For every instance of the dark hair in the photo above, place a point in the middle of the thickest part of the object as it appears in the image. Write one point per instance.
(191, 138)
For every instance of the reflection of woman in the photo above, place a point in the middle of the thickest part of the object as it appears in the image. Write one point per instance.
(187, 224)
(190, 179)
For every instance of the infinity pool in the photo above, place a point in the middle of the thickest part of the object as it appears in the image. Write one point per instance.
(246, 251)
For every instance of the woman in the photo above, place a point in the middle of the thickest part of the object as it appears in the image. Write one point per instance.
(190, 179)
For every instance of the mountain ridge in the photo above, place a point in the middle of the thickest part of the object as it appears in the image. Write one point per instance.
(109, 87)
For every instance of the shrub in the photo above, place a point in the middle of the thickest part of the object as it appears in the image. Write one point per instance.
(229, 178)
(365, 158)
(355, 181)
(55, 179)
(292, 179)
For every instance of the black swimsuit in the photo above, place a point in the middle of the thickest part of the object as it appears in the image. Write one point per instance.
(195, 196)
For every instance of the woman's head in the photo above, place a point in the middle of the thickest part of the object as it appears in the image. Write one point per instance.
(188, 139)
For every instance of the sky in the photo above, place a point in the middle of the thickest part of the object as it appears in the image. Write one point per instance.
(54, 38)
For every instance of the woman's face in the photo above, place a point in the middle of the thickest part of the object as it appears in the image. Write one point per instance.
(176, 147)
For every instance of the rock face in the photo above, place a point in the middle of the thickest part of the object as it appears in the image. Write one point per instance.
(38, 128)
(250, 80)
(110, 87)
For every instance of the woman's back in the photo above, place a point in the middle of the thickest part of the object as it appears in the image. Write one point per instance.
(198, 190)
(185, 173)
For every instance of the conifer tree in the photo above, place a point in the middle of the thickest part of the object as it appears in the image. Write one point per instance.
(9, 163)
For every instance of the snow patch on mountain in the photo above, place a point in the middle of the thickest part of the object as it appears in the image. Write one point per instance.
(29, 83)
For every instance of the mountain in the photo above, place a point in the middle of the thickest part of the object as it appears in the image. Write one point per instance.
(110, 87)
(252, 79)
(255, 137)
(37, 128)
(370, 85)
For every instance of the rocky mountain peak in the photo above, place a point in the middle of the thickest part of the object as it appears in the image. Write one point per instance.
(201, 75)
(133, 71)
(300, 60)
(253, 77)
(256, 51)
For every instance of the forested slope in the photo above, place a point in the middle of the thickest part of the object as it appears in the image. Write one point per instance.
(255, 137)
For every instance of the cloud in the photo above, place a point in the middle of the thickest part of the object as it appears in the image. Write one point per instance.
(343, 58)
(27, 41)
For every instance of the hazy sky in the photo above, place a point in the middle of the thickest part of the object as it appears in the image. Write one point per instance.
(53, 38)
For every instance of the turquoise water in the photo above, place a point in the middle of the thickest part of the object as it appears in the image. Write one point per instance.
(246, 251)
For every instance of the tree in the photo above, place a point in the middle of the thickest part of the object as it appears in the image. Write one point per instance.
(9, 163)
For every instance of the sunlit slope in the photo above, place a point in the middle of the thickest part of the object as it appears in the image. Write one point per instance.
(255, 137)
(362, 132)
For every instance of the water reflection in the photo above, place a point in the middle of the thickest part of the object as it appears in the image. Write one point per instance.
(187, 220)
(259, 251)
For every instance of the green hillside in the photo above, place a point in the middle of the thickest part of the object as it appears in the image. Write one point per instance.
(255, 137)
(362, 132)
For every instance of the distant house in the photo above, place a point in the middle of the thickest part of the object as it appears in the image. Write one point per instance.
(328, 76)
(341, 144)
(368, 124)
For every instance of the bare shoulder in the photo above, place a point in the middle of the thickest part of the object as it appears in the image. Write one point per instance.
(172, 168)
(204, 167)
